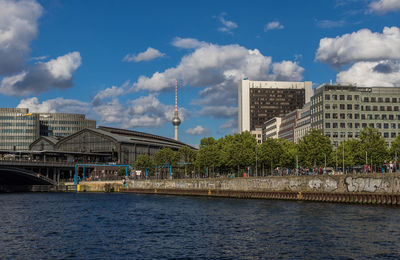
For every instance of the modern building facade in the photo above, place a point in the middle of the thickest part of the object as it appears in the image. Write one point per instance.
(257, 133)
(259, 101)
(303, 123)
(288, 124)
(271, 128)
(341, 111)
(19, 128)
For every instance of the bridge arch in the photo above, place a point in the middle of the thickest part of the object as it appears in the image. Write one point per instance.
(18, 176)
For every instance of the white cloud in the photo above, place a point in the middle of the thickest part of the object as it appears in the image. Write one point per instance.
(18, 27)
(227, 26)
(149, 54)
(219, 111)
(198, 130)
(275, 25)
(42, 76)
(330, 23)
(57, 105)
(187, 43)
(112, 92)
(384, 6)
(229, 126)
(370, 74)
(362, 45)
(287, 71)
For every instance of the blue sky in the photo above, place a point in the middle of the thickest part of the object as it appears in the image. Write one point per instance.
(116, 61)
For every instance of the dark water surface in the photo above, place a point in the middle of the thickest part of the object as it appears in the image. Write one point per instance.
(129, 226)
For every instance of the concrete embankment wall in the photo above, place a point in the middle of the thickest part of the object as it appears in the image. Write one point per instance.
(378, 188)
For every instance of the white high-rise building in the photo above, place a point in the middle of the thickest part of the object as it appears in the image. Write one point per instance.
(260, 101)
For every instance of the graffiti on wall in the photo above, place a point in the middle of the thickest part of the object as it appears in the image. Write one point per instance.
(326, 184)
(366, 184)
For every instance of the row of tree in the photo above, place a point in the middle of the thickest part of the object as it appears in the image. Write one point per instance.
(239, 153)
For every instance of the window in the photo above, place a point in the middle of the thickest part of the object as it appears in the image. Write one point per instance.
(334, 116)
(334, 106)
(349, 125)
(376, 116)
(388, 108)
(334, 97)
(334, 125)
(356, 116)
(391, 117)
(382, 108)
(356, 97)
(328, 134)
(366, 99)
(327, 106)
(363, 117)
(364, 125)
(387, 100)
(393, 125)
(349, 97)
(386, 125)
(373, 99)
(356, 134)
(380, 99)
(350, 134)
(342, 115)
(396, 108)
(371, 125)
(327, 97)
(327, 125)
(341, 97)
(386, 135)
(378, 125)
(384, 117)
(367, 108)
(349, 106)
(342, 134)
(356, 106)
(342, 125)
(356, 125)
(349, 116)
(375, 108)
(335, 134)
(369, 116)
(393, 135)
(398, 117)
(327, 115)
(394, 100)
(341, 106)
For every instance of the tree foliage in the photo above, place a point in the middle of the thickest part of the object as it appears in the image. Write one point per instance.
(313, 148)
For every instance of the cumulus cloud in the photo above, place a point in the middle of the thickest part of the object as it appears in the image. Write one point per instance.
(57, 105)
(227, 26)
(187, 43)
(112, 92)
(275, 25)
(384, 6)
(370, 74)
(362, 45)
(149, 54)
(229, 126)
(18, 27)
(42, 76)
(198, 130)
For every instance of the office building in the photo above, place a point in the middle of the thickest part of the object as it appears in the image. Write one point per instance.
(19, 128)
(288, 124)
(303, 123)
(260, 101)
(271, 128)
(341, 111)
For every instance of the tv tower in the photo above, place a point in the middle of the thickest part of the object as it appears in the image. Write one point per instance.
(176, 121)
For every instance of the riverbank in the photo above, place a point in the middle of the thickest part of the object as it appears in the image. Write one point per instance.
(371, 188)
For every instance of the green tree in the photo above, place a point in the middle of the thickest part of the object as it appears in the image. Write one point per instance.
(353, 153)
(270, 153)
(207, 156)
(164, 158)
(313, 148)
(374, 146)
(395, 148)
(144, 163)
(288, 156)
(187, 156)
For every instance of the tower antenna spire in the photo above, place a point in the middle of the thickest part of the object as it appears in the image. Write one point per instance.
(176, 121)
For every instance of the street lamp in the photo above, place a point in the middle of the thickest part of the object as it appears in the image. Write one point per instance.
(256, 160)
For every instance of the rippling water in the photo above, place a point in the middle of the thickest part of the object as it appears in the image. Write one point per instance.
(129, 226)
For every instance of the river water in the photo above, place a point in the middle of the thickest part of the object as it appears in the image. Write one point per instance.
(129, 226)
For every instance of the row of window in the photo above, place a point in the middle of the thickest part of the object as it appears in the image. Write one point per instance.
(356, 134)
(16, 131)
(363, 125)
(365, 99)
(363, 108)
(13, 118)
(362, 116)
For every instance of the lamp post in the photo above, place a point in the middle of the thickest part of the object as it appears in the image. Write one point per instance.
(343, 158)
(256, 161)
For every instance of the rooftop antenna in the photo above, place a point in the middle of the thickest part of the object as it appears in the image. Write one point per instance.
(176, 121)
